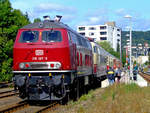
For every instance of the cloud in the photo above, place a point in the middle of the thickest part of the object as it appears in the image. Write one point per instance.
(53, 7)
(141, 24)
(95, 17)
(121, 12)
(138, 22)
(68, 18)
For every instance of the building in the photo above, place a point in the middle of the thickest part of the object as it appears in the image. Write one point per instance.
(140, 53)
(107, 32)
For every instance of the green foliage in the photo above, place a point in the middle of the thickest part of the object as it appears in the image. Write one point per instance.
(137, 37)
(129, 88)
(106, 45)
(6, 70)
(10, 21)
(123, 57)
(37, 20)
(149, 58)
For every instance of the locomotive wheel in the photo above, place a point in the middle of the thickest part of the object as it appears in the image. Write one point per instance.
(66, 99)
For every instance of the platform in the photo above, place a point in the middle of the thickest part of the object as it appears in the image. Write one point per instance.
(140, 80)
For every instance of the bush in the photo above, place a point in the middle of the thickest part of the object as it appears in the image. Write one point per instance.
(6, 70)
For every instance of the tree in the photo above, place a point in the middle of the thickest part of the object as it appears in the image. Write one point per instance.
(107, 46)
(37, 20)
(5, 15)
(10, 21)
(149, 58)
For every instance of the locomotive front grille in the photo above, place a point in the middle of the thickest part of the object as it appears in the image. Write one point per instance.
(39, 66)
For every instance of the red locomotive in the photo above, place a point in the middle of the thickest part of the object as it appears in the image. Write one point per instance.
(50, 60)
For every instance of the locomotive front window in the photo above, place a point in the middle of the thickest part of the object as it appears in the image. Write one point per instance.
(29, 36)
(51, 36)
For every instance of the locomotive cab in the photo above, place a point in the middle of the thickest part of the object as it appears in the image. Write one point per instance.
(42, 62)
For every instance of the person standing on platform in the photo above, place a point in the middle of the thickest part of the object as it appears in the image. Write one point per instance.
(135, 72)
(118, 75)
(110, 75)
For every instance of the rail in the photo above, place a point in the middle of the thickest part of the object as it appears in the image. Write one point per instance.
(14, 107)
(8, 93)
(146, 76)
(52, 106)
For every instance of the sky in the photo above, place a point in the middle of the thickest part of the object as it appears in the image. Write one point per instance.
(90, 12)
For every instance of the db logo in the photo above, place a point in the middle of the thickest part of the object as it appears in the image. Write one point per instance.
(39, 52)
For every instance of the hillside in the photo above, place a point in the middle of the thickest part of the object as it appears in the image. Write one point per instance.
(137, 37)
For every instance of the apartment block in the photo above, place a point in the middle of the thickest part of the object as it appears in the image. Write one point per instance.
(107, 32)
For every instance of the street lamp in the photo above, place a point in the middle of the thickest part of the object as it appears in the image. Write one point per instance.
(130, 46)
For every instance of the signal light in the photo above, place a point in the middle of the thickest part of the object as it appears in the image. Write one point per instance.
(21, 65)
(29, 74)
(27, 65)
(52, 65)
(50, 74)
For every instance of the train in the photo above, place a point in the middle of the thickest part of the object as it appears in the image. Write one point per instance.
(51, 61)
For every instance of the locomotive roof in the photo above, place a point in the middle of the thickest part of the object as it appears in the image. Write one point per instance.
(47, 24)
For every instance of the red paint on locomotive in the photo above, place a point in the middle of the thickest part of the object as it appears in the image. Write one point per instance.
(53, 51)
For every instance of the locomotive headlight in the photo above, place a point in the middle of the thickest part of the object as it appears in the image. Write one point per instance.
(21, 65)
(58, 65)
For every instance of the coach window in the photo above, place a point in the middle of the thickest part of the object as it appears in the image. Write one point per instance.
(79, 41)
(89, 45)
(51, 36)
(98, 49)
(74, 38)
(95, 49)
(29, 36)
(84, 42)
(80, 59)
(77, 59)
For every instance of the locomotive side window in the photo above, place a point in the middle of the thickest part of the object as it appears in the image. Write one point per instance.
(69, 36)
(73, 37)
(51, 36)
(29, 36)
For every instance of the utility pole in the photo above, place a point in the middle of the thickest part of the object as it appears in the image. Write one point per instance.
(130, 45)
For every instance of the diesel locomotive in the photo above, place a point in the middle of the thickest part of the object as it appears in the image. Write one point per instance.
(51, 61)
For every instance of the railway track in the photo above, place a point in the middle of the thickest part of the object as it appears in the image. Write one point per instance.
(145, 76)
(9, 93)
(5, 84)
(50, 107)
(24, 107)
(14, 107)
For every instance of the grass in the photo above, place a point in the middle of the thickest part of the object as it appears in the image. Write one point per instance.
(118, 98)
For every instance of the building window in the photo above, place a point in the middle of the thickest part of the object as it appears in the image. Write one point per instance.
(103, 38)
(118, 34)
(92, 28)
(82, 34)
(118, 29)
(81, 28)
(103, 27)
(103, 33)
(91, 34)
